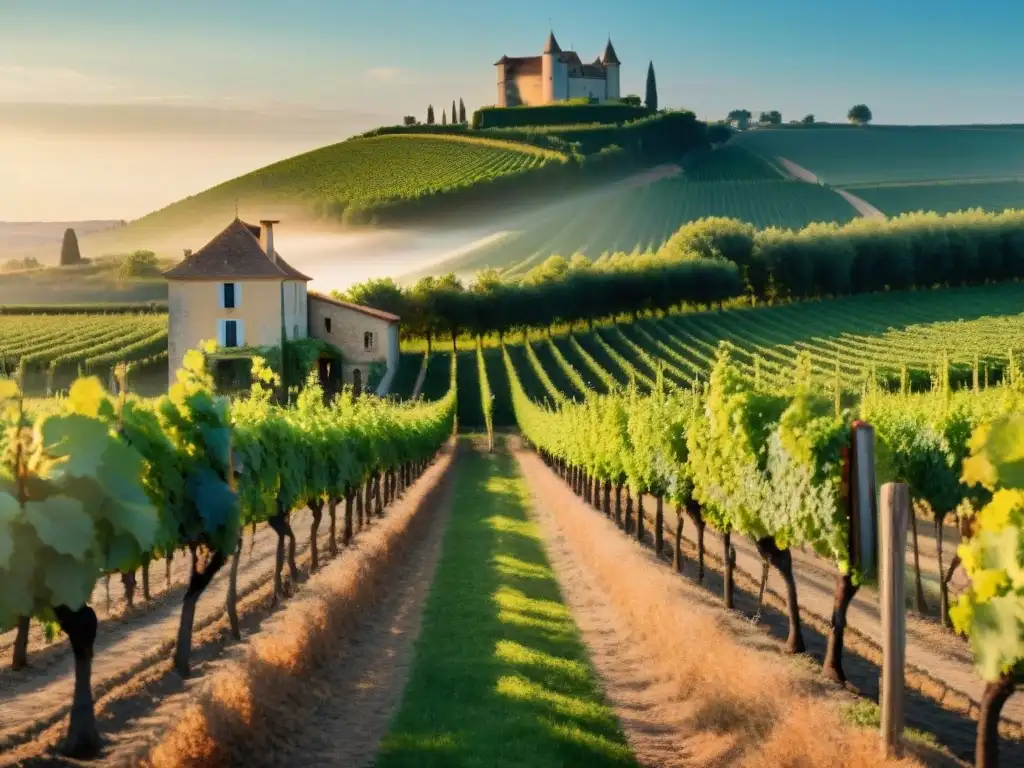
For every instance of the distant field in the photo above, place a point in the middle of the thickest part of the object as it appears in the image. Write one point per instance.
(943, 197)
(85, 283)
(48, 351)
(727, 182)
(887, 331)
(878, 154)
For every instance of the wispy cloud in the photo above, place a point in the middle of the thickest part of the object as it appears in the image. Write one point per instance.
(385, 74)
(23, 83)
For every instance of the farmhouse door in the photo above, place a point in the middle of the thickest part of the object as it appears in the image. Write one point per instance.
(357, 381)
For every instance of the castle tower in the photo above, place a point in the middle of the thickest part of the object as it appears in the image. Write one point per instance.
(551, 71)
(502, 67)
(611, 67)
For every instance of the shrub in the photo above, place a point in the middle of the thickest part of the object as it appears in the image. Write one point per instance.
(563, 113)
(139, 264)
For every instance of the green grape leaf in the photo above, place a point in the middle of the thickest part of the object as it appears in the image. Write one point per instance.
(218, 441)
(62, 524)
(70, 581)
(1001, 551)
(214, 499)
(999, 459)
(127, 508)
(9, 511)
(79, 439)
(8, 389)
(16, 593)
(123, 554)
(997, 634)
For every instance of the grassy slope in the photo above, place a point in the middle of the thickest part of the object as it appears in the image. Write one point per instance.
(300, 189)
(727, 182)
(87, 283)
(943, 197)
(880, 154)
(500, 675)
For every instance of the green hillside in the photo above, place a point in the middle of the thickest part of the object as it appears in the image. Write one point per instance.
(625, 218)
(883, 154)
(943, 197)
(355, 181)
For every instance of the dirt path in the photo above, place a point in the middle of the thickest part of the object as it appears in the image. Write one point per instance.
(864, 208)
(798, 171)
(931, 650)
(39, 696)
(356, 697)
(671, 692)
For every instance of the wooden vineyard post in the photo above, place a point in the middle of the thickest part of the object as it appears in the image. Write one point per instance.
(895, 510)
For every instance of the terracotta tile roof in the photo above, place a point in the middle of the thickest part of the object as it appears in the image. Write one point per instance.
(234, 253)
(380, 314)
(522, 65)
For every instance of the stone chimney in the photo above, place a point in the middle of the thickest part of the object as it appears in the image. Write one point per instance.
(267, 238)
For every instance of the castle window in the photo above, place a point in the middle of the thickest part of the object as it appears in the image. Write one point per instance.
(327, 324)
(230, 333)
(368, 343)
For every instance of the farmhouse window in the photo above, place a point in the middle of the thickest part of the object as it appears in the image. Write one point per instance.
(229, 298)
(368, 340)
(231, 333)
(327, 324)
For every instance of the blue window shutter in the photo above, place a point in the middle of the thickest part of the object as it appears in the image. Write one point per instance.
(240, 332)
(220, 332)
(230, 333)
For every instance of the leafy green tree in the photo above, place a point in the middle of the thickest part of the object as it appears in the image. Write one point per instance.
(462, 112)
(808, 119)
(740, 114)
(69, 253)
(651, 101)
(859, 114)
(430, 115)
(632, 99)
(774, 117)
(379, 293)
(422, 313)
(409, 120)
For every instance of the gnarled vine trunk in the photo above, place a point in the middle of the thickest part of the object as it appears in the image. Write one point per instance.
(920, 604)
(128, 582)
(618, 505)
(694, 512)
(231, 599)
(659, 524)
(198, 581)
(628, 524)
(842, 597)
(782, 561)
(332, 515)
(167, 569)
(677, 552)
(359, 507)
(20, 659)
(279, 525)
(943, 583)
(607, 507)
(378, 500)
(346, 536)
(729, 560)
(145, 578)
(986, 750)
(639, 517)
(316, 506)
(83, 739)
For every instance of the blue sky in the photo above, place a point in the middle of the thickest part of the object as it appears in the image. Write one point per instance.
(912, 61)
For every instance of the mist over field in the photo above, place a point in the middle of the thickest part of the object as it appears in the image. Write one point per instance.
(67, 162)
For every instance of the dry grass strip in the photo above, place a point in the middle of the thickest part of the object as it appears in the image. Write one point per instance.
(767, 710)
(256, 700)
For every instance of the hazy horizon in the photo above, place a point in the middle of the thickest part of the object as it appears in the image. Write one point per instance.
(112, 109)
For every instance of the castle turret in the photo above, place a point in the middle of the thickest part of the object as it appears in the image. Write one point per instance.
(502, 66)
(550, 88)
(611, 67)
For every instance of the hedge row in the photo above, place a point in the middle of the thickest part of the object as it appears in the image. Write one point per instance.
(159, 307)
(556, 114)
(918, 250)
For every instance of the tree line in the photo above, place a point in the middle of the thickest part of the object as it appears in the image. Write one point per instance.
(458, 116)
(709, 261)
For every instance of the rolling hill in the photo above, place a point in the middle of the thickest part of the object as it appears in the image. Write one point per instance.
(354, 181)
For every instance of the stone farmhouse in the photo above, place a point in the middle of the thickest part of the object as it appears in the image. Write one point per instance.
(238, 290)
(557, 75)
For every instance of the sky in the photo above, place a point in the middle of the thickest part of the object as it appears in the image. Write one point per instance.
(110, 108)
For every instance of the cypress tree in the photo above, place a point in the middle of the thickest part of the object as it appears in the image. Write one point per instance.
(444, 117)
(430, 115)
(69, 253)
(462, 112)
(455, 115)
(652, 89)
